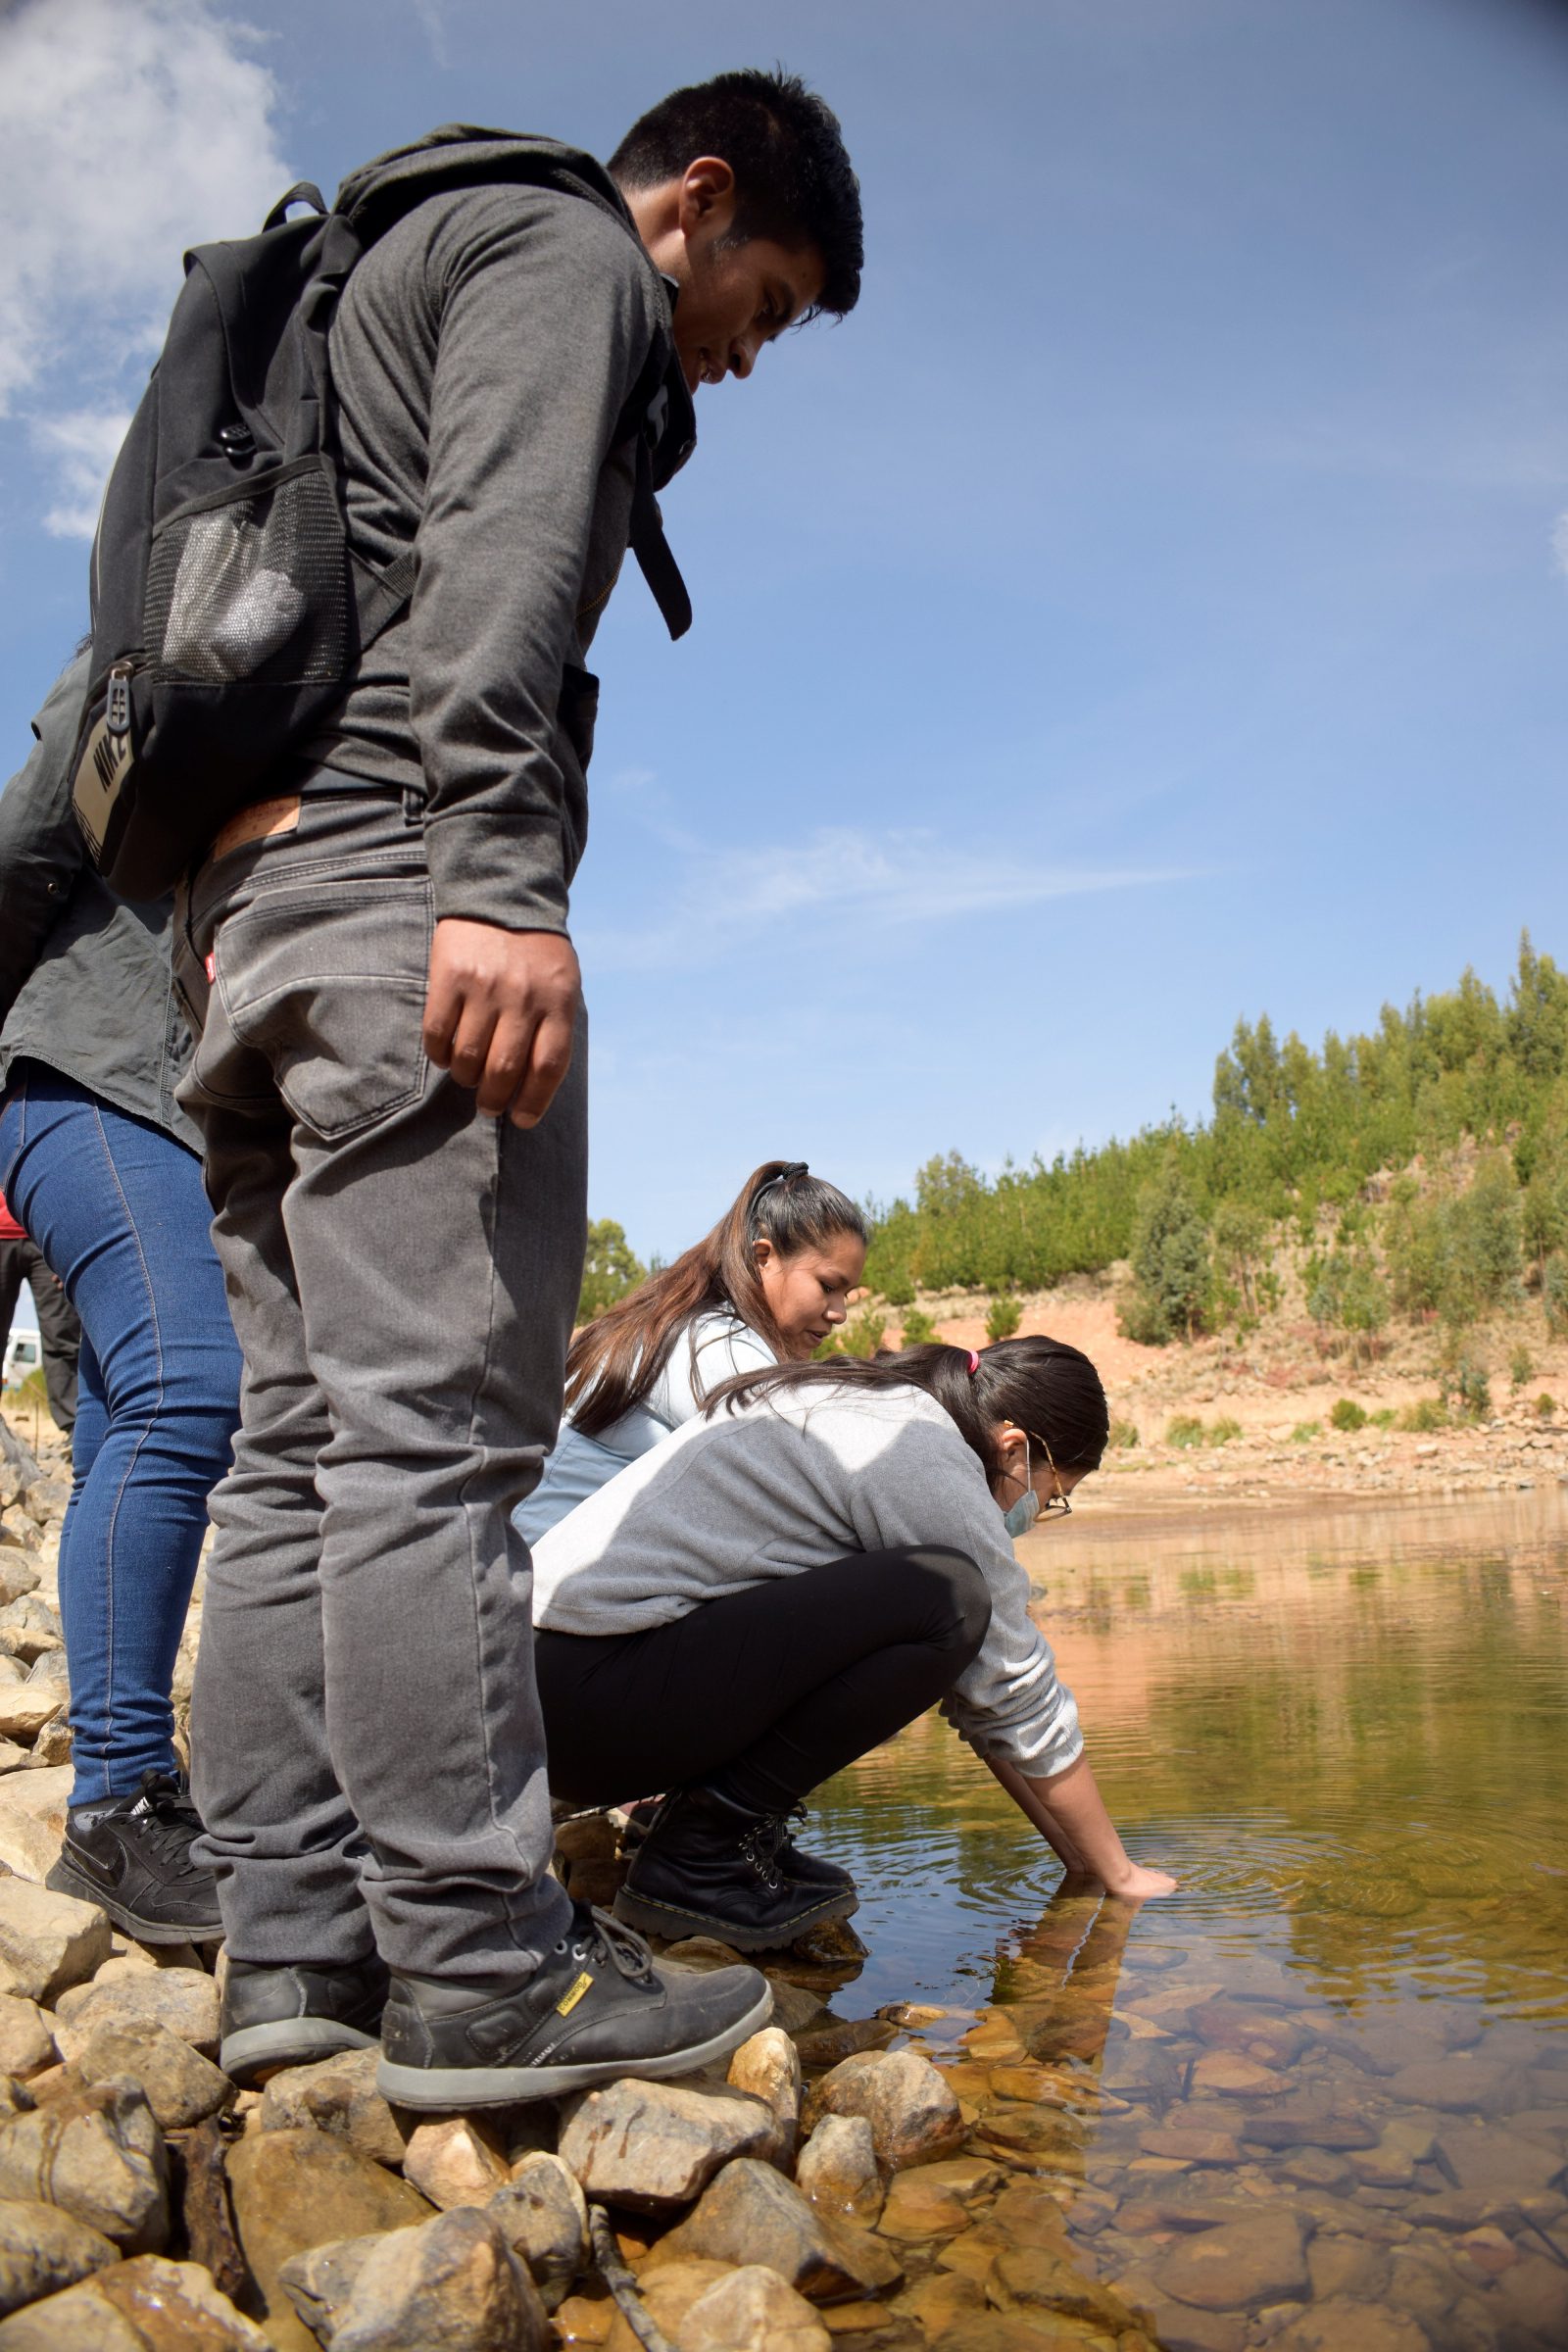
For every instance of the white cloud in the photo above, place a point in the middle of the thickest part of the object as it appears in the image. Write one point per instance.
(82, 444)
(132, 128)
(841, 877)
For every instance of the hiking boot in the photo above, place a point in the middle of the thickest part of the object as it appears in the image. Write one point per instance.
(709, 1867)
(806, 1870)
(596, 2010)
(130, 1855)
(276, 2017)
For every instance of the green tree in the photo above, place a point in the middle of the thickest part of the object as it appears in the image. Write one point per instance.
(1171, 1271)
(609, 1269)
(1241, 1231)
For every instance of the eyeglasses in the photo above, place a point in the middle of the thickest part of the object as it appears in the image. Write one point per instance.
(1059, 1506)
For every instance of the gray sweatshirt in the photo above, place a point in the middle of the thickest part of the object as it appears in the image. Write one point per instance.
(481, 356)
(793, 1481)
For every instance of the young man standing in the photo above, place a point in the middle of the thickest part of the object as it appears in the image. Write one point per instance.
(391, 1055)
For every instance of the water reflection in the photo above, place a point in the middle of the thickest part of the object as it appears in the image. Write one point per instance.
(1321, 2099)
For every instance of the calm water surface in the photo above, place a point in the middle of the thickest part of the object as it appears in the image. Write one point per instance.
(1320, 2097)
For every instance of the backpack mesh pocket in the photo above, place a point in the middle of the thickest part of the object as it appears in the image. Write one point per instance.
(254, 585)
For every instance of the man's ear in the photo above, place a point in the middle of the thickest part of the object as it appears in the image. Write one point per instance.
(706, 204)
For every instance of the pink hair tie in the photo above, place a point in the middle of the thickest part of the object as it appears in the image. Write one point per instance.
(974, 1363)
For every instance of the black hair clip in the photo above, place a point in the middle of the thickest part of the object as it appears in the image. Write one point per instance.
(796, 1167)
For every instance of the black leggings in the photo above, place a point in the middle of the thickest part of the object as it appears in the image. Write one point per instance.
(765, 1692)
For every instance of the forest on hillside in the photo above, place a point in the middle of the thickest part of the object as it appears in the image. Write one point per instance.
(1423, 1165)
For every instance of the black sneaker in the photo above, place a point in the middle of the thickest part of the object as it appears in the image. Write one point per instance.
(276, 2016)
(130, 1855)
(709, 1867)
(597, 2010)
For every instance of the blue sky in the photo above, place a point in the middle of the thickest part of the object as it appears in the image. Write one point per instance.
(1149, 608)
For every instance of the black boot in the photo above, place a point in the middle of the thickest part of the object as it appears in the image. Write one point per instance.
(291, 2016)
(709, 1867)
(806, 1870)
(597, 2009)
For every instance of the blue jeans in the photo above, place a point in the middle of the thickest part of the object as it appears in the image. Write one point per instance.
(116, 1208)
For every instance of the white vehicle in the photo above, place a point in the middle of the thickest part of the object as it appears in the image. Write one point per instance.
(23, 1354)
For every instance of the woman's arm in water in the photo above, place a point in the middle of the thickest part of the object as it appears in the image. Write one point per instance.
(1069, 1812)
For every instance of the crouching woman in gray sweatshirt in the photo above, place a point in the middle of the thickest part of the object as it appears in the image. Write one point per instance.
(787, 1581)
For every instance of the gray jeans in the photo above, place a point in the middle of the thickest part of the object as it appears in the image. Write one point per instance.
(368, 1754)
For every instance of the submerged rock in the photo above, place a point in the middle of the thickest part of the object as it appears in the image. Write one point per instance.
(1259, 2259)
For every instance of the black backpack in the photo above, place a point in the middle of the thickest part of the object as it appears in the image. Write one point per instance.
(227, 609)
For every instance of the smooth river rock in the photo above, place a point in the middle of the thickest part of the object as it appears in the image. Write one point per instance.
(653, 2145)
(454, 2160)
(913, 2112)
(752, 2214)
(767, 2067)
(837, 2169)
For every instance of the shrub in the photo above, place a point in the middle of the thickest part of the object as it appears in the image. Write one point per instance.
(1305, 1430)
(1184, 1429)
(1241, 1241)
(918, 1327)
(1346, 1292)
(1348, 1414)
(1123, 1433)
(1521, 1364)
(1222, 1431)
(1002, 1319)
(1545, 1405)
(1458, 1256)
(1424, 1415)
(1384, 1418)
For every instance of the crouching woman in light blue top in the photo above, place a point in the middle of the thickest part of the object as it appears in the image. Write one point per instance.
(766, 1285)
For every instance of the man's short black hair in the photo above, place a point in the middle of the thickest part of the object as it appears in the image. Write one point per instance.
(794, 182)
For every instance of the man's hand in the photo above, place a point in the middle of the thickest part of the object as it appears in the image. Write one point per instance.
(500, 1012)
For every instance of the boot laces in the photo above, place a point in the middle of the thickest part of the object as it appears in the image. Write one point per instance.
(761, 1844)
(164, 1817)
(601, 1938)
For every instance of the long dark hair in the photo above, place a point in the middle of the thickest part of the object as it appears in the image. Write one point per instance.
(1041, 1386)
(615, 1359)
